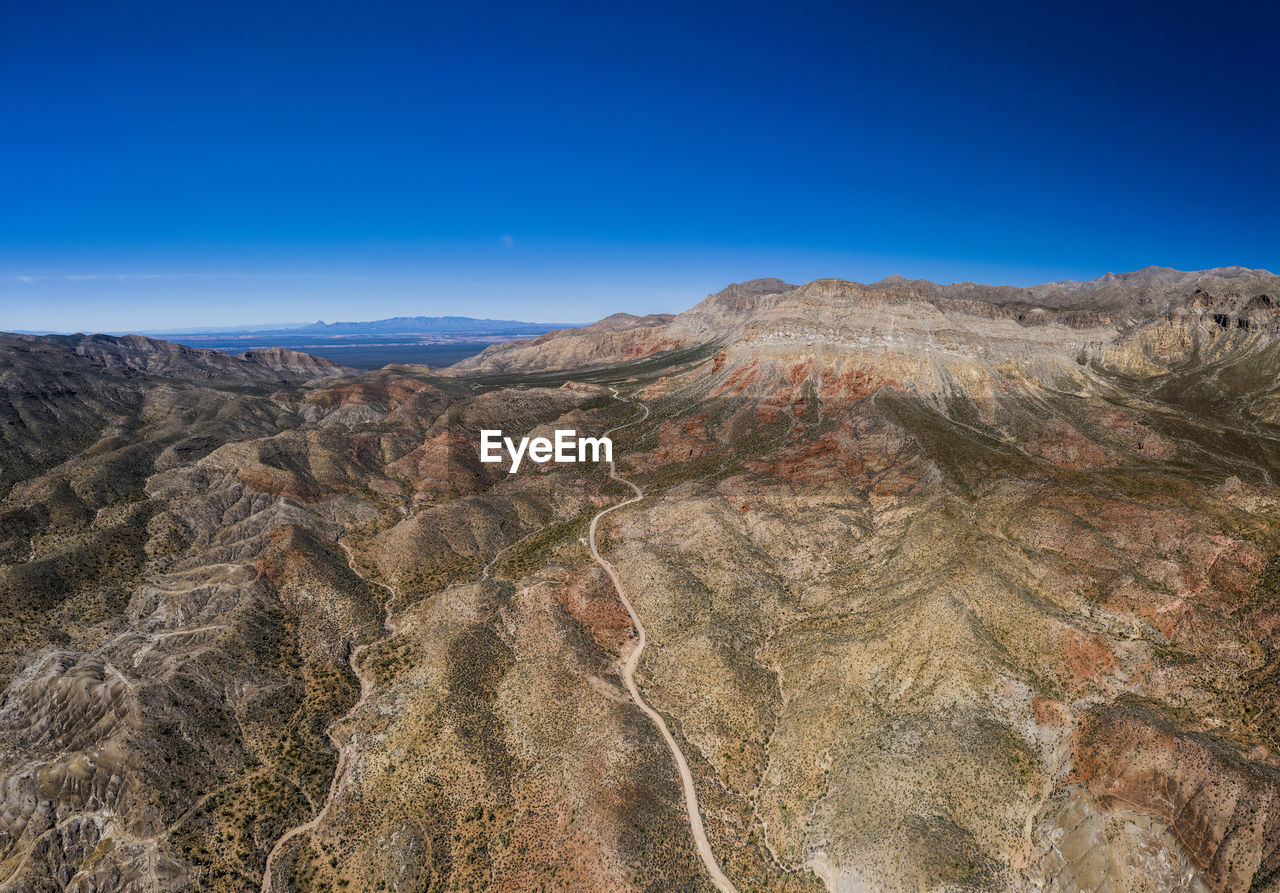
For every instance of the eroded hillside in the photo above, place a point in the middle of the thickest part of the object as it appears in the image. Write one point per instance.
(945, 588)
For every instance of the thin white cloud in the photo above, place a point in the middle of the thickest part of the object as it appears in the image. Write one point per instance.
(127, 277)
(507, 241)
(28, 280)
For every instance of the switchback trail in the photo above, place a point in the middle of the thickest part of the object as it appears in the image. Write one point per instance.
(723, 884)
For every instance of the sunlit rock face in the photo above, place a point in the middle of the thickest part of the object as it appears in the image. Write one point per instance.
(946, 587)
(613, 339)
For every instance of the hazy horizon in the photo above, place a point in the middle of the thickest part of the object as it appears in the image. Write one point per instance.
(269, 327)
(255, 317)
(181, 167)
(106, 302)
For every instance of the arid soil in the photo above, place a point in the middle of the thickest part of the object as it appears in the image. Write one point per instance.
(943, 588)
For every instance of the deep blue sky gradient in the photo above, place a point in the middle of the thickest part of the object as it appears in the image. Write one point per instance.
(174, 164)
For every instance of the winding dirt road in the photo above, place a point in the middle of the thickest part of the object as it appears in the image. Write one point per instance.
(344, 750)
(723, 884)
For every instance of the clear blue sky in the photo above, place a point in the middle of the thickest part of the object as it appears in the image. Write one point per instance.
(170, 164)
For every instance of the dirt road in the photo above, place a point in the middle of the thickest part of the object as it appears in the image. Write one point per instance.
(340, 772)
(723, 884)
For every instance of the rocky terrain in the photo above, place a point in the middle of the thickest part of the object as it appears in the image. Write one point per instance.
(944, 587)
(613, 339)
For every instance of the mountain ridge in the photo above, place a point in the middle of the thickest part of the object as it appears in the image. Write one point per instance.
(1100, 310)
(174, 360)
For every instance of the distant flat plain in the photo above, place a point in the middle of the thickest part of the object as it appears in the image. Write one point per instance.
(409, 340)
(358, 353)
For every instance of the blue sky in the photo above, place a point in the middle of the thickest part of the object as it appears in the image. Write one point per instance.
(169, 164)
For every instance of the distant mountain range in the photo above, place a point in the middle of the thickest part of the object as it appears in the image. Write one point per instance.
(396, 325)
(420, 340)
(417, 340)
(433, 324)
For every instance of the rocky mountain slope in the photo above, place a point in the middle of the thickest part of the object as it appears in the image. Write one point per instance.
(1058, 317)
(174, 360)
(613, 339)
(945, 587)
